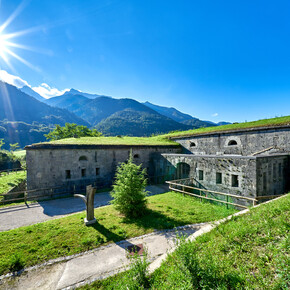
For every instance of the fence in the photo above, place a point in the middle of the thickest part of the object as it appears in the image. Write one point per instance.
(185, 186)
(11, 170)
(47, 193)
(159, 179)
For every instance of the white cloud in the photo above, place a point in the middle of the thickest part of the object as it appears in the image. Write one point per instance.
(215, 115)
(48, 92)
(44, 89)
(13, 80)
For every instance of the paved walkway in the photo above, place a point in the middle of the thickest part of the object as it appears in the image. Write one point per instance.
(22, 215)
(96, 264)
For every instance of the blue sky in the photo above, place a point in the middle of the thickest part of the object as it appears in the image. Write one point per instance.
(216, 60)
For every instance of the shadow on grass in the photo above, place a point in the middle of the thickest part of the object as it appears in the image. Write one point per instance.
(154, 220)
(150, 220)
(118, 239)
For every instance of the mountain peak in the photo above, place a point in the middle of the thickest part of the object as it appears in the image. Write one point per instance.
(73, 91)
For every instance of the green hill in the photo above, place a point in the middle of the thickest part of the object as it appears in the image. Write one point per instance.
(137, 123)
(18, 106)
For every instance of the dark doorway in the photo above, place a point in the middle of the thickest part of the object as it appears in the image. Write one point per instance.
(182, 170)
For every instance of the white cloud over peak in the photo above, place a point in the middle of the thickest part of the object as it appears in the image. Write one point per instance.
(215, 115)
(12, 80)
(48, 92)
(44, 89)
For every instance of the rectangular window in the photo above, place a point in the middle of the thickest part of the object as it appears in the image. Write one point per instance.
(218, 178)
(235, 180)
(97, 171)
(83, 172)
(96, 156)
(200, 174)
(67, 174)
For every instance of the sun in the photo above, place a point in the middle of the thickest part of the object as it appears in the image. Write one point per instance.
(3, 48)
(7, 40)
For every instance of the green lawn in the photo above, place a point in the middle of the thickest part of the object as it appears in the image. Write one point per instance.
(8, 181)
(34, 244)
(260, 123)
(251, 251)
(20, 153)
(155, 140)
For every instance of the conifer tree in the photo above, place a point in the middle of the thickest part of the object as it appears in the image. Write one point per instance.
(129, 189)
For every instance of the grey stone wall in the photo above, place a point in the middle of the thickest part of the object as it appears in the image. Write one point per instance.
(272, 175)
(76, 167)
(248, 141)
(244, 168)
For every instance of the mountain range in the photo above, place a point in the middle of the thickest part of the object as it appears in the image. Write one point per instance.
(26, 109)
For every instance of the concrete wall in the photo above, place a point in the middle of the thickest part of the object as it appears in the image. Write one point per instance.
(244, 168)
(48, 167)
(248, 142)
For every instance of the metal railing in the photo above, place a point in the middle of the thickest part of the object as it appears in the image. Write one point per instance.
(185, 186)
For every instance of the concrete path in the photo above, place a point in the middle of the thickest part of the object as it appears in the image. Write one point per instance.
(22, 215)
(96, 264)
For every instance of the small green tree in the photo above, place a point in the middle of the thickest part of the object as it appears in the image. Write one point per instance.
(1, 143)
(14, 146)
(129, 189)
(71, 131)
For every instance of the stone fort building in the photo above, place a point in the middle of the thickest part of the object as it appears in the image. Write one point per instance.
(247, 162)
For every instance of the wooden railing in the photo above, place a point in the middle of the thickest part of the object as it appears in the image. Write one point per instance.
(27, 195)
(11, 170)
(184, 186)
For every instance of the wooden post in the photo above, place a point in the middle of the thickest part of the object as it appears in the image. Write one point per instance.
(89, 202)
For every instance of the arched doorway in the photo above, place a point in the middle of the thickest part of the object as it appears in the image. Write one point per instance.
(182, 170)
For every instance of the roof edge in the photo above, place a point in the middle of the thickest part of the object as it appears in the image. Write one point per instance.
(95, 146)
(251, 129)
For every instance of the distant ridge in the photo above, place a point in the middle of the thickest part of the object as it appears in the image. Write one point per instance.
(181, 117)
(27, 90)
(87, 95)
(16, 105)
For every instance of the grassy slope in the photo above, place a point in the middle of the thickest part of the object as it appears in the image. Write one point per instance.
(8, 181)
(20, 153)
(246, 252)
(155, 140)
(66, 236)
(260, 123)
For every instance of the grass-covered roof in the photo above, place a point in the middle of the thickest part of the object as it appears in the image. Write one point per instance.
(134, 141)
(163, 140)
(274, 122)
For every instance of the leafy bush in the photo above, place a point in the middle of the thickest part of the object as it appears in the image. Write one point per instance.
(71, 131)
(129, 189)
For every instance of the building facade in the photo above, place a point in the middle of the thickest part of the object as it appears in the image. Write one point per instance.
(250, 162)
(73, 167)
(247, 162)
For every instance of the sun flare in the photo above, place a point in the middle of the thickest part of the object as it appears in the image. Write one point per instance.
(7, 43)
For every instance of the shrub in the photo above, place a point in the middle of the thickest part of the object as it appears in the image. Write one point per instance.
(16, 263)
(129, 189)
(136, 277)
